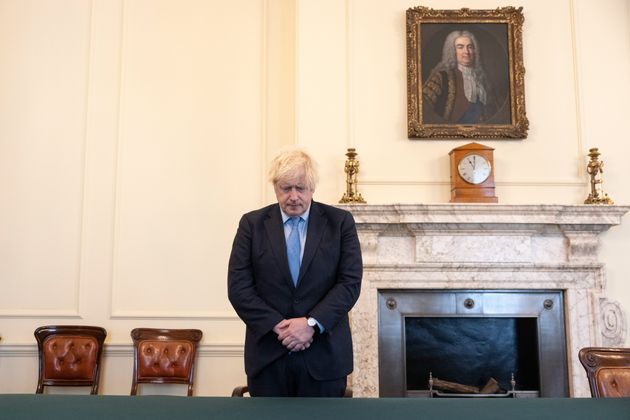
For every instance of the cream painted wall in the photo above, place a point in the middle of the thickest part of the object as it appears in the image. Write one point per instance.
(134, 133)
(604, 114)
(120, 123)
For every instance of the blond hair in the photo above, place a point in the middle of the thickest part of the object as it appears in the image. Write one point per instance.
(292, 163)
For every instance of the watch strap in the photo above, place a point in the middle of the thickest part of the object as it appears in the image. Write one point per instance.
(312, 322)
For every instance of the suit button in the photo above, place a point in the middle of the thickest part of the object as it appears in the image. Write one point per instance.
(296, 300)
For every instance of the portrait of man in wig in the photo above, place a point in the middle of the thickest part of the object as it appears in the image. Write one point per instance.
(458, 90)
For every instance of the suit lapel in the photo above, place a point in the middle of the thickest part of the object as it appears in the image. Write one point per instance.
(275, 234)
(316, 226)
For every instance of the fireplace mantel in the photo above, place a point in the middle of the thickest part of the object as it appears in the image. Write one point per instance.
(487, 246)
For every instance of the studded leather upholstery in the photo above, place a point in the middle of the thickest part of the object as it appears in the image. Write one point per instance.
(69, 357)
(164, 356)
(172, 359)
(608, 371)
(613, 382)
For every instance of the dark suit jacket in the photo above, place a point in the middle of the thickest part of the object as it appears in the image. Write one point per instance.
(262, 292)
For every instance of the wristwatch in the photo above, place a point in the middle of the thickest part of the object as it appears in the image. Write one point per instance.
(312, 323)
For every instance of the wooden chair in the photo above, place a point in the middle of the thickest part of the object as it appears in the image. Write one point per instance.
(164, 356)
(608, 371)
(240, 391)
(69, 355)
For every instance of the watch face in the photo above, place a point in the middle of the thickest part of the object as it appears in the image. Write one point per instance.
(474, 168)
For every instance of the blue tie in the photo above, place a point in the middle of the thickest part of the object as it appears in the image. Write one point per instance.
(293, 248)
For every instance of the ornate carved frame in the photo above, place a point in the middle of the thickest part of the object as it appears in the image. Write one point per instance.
(509, 16)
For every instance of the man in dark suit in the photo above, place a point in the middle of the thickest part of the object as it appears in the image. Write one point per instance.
(293, 276)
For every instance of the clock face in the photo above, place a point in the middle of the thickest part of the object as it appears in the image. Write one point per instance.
(474, 168)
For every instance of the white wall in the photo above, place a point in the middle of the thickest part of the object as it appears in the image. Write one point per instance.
(134, 133)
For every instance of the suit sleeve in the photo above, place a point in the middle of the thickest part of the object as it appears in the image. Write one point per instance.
(343, 295)
(259, 316)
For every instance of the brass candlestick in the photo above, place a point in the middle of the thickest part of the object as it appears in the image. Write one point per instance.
(595, 169)
(352, 169)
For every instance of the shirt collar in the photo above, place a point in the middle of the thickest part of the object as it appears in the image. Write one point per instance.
(304, 215)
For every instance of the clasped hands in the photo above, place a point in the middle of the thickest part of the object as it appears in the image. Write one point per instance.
(294, 333)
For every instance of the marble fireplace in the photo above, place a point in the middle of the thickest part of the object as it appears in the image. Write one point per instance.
(487, 247)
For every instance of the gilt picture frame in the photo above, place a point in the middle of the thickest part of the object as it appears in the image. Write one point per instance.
(465, 74)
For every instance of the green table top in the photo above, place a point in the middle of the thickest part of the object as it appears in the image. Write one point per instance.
(21, 406)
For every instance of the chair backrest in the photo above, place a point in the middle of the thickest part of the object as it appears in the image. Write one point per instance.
(164, 356)
(608, 371)
(69, 355)
(240, 391)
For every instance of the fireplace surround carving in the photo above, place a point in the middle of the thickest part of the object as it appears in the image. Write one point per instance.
(487, 246)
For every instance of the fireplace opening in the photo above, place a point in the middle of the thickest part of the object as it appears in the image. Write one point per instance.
(472, 351)
(472, 338)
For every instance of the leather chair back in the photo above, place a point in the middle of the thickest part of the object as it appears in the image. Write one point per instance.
(608, 371)
(69, 355)
(164, 356)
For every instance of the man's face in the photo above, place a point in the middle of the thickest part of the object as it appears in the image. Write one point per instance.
(293, 195)
(465, 51)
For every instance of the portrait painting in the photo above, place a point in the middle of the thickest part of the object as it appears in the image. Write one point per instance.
(465, 74)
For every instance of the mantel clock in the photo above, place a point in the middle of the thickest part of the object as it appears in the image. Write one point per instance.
(472, 174)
